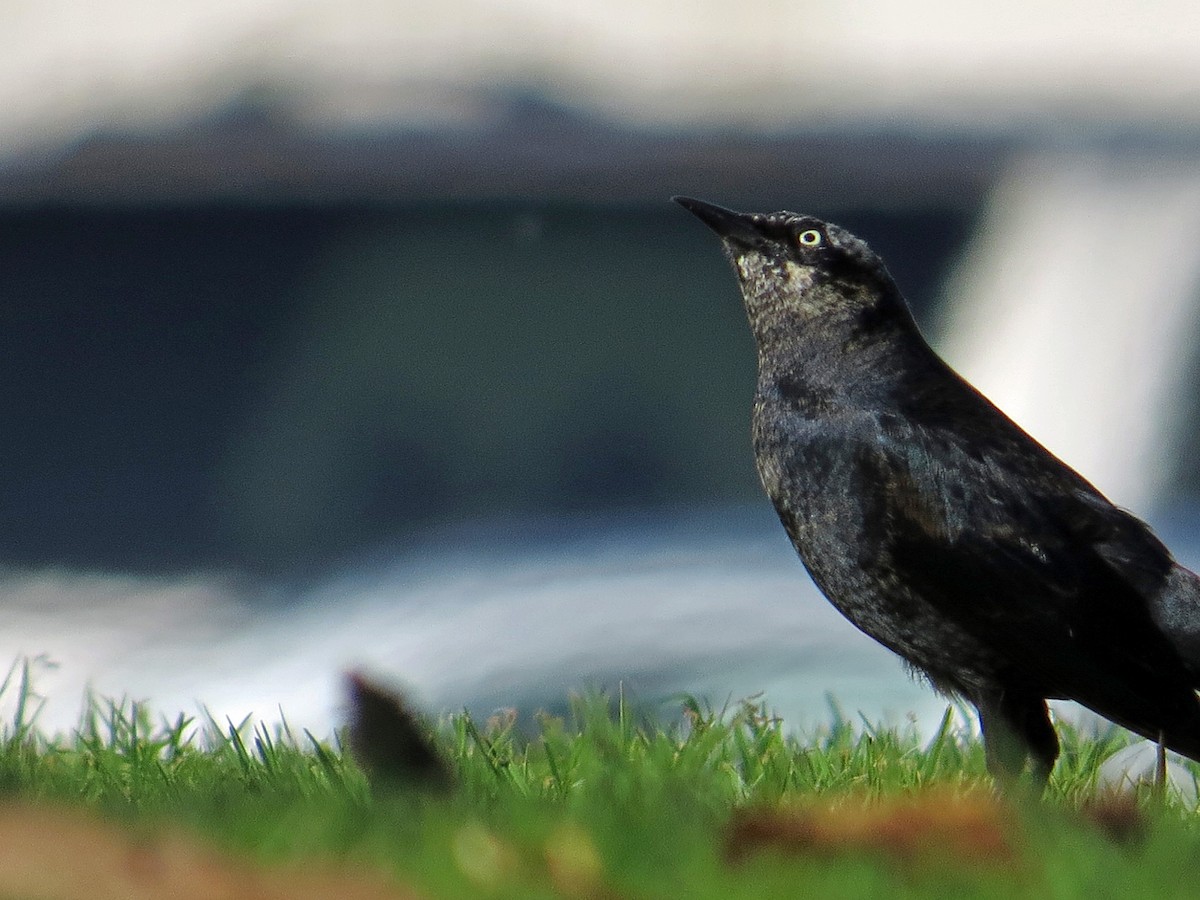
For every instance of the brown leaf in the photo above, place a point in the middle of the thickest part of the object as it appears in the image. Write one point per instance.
(59, 854)
(970, 828)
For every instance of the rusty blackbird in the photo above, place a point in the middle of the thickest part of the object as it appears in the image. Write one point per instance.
(935, 524)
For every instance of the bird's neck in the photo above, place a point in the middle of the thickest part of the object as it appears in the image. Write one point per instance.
(838, 349)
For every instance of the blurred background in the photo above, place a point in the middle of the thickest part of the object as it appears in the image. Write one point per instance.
(363, 334)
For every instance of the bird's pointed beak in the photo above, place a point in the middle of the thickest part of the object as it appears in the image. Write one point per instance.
(734, 226)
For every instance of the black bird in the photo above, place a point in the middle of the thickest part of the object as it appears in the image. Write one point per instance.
(935, 524)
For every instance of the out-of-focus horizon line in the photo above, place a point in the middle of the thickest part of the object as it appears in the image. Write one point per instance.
(255, 152)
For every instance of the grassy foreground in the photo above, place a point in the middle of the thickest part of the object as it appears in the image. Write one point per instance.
(602, 804)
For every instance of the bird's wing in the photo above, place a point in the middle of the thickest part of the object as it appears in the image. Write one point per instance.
(1021, 552)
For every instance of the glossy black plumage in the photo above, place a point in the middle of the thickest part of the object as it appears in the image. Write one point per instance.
(939, 527)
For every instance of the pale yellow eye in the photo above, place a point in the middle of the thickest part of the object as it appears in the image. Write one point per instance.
(809, 238)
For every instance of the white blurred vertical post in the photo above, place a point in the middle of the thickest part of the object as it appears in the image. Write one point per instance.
(1076, 311)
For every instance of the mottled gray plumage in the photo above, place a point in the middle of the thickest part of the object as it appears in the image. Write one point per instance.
(939, 527)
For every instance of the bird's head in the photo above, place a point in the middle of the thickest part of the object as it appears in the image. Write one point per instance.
(795, 269)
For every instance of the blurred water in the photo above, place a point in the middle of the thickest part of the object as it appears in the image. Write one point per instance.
(486, 615)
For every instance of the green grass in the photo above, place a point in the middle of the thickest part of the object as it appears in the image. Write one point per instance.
(606, 802)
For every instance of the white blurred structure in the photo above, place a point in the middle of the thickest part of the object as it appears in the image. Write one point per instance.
(1075, 311)
(1137, 765)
